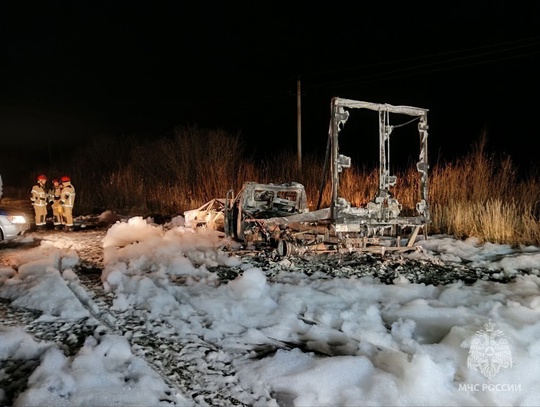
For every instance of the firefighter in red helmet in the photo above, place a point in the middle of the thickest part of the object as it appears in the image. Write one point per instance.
(67, 199)
(54, 198)
(39, 201)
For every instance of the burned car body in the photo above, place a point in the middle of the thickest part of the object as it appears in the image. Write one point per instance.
(244, 216)
(210, 215)
(249, 215)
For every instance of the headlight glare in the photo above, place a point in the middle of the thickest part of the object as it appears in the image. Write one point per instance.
(17, 219)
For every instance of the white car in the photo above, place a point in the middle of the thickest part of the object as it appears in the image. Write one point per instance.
(13, 223)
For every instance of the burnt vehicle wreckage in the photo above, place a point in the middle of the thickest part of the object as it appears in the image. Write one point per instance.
(278, 215)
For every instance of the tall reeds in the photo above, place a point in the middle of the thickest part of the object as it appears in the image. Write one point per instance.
(478, 195)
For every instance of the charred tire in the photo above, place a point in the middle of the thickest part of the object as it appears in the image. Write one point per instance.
(286, 248)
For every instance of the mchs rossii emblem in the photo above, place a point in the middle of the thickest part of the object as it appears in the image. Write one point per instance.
(489, 352)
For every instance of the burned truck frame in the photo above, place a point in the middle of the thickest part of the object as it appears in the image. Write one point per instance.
(277, 214)
(358, 228)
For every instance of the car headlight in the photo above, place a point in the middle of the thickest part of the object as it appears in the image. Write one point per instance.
(17, 219)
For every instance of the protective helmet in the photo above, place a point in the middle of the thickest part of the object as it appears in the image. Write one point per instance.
(54, 180)
(42, 177)
(65, 178)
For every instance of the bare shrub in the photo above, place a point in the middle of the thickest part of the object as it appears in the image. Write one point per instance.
(478, 195)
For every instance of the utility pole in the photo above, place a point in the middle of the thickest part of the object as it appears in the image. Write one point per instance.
(299, 124)
(50, 151)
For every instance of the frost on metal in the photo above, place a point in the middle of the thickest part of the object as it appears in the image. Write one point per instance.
(278, 215)
(359, 227)
(251, 213)
(210, 215)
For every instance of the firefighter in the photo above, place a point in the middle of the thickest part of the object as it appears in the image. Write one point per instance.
(54, 199)
(39, 201)
(67, 199)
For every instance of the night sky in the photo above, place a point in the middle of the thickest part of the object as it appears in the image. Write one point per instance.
(72, 70)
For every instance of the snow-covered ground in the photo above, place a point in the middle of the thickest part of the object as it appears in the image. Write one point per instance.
(145, 314)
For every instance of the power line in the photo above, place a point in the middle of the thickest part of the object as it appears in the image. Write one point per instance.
(385, 75)
(370, 78)
(535, 41)
(418, 69)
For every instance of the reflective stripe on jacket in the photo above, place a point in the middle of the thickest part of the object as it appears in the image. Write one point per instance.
(39, 196)
(68, 196)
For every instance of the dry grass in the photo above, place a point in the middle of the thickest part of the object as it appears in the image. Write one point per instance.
(478, 195)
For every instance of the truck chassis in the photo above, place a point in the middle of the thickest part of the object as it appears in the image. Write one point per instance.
(277, 214)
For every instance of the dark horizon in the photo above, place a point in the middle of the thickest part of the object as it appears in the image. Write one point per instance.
(74, 71)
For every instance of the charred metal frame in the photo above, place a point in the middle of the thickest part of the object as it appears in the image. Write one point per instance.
(382, 216)
(278, 213)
